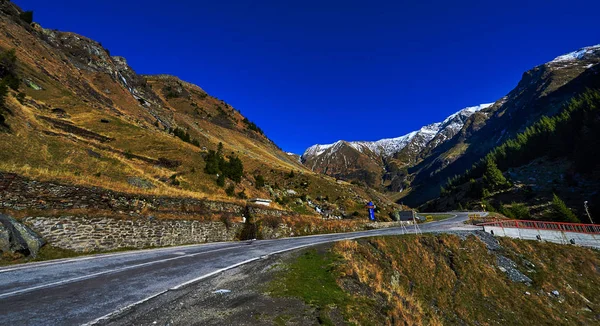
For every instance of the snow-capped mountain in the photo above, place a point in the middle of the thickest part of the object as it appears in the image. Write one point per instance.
(580, 54)
(424, 159)
(390, 146)
(369, 161)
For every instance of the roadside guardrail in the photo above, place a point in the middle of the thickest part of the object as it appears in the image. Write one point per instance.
(542, 225)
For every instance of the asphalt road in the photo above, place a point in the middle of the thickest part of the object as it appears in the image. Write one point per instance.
(90, 289)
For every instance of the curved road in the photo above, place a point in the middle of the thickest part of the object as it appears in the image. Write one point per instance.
(90, 289)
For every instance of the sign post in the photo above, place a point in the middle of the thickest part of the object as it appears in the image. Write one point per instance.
(371, 208)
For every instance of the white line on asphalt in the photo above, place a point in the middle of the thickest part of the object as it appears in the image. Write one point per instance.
(84, 277)
(123, 309)
(106, 255)
(139, 251)
(182, 285)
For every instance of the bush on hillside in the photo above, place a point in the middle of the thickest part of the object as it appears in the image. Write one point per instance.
(259, 181)
(27, 16)
(252, 126)
(185, 136)
(221, 180)
(230, 191)
(516, 211)
(560, 212)
(231, 168)
(3, 93)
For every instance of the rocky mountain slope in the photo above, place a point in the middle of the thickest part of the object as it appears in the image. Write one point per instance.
(78, 115)
(542, 91)
(422, 161)
(375, 162)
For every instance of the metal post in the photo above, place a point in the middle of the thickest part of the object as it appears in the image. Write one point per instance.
(417, 230)
(587, 211)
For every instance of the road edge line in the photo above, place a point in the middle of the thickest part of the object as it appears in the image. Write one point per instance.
(200, 278)
(182, 285)
(50, 262)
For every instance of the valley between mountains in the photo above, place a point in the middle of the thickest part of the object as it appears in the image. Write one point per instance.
(131, 199)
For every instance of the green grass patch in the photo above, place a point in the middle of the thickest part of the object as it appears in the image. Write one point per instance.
(312, 278)
(301, 209)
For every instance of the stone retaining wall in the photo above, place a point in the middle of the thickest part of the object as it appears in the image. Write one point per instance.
(101, 234)
(86, 234)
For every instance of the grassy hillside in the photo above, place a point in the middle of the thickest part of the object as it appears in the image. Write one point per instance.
(78, 115)
(377, 281)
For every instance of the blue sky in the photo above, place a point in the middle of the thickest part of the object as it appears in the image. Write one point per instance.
(317, 71)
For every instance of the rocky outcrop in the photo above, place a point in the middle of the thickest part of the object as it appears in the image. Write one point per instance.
(16, 237)
(370, 162)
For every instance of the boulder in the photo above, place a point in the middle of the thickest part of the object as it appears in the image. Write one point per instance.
(17, 237)
(140, 183)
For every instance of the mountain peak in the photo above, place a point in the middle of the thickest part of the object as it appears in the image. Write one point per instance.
(579, 54)
(389, 146)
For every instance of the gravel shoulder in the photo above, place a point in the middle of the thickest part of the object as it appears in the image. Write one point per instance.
(247, 303)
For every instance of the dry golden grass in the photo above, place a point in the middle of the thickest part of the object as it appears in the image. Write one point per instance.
(437, 280)
(88, 97)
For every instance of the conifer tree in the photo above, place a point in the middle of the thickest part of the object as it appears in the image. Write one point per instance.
(560, 211)
(493, 177)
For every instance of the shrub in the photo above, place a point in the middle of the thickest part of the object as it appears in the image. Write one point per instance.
(259, 181)
(230, 191)
(185, 136)
(221, 180)
(560, 212)
(232, 168)
(3, 93)
(27, 16)
(516, 211)
(21, 97)
(174, 180)
(242, 195)
(252, 126)
(8, 78)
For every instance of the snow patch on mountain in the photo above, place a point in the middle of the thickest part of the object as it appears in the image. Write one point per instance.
(390, 146)
(577, 55)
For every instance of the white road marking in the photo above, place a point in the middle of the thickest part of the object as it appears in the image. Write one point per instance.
(96, 256)
(85, 277)
(121, 310)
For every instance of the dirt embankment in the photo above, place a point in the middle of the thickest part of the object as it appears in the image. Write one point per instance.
(411, 280)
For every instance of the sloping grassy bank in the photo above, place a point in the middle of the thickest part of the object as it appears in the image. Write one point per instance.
(443, 279)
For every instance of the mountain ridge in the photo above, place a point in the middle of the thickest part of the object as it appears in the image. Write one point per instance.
(389, 146)
(81, 116)
(422, 161)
